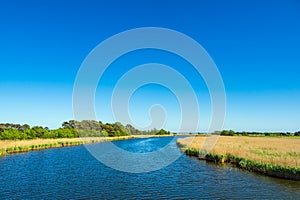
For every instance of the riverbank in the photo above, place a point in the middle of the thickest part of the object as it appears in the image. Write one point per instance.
(276, 157)
(19, 146)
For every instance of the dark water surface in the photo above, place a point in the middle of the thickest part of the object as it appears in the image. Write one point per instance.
(72, 173)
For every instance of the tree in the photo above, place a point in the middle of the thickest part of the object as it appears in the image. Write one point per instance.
(69, 124)
(39, 131)
(163, 132)
(12, 134)
(227, 132)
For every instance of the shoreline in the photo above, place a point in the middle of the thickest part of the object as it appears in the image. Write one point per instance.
(8, 147)
(263, 168)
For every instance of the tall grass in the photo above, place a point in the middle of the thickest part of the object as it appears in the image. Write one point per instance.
(18, 146)
(278, 157)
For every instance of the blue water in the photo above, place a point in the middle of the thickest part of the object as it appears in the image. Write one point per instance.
(72, 173)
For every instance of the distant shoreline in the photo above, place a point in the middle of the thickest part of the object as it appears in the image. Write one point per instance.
(275, 157)
(8, 147)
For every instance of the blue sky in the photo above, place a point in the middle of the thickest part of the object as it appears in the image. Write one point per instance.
(255, 45)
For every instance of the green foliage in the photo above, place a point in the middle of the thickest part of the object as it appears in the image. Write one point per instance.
(244, 133)
(12, 134)
(253, 166)
(163, 132)
(192, 152)
(70, 129)
(227, 133)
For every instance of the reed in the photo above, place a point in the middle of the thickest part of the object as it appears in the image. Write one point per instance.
(18, 146)
(278, 157)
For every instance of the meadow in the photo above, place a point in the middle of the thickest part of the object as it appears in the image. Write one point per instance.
(260, 154)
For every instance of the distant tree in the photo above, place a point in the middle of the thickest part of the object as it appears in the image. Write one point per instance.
(131, 129)
(71, 129)
(39, 131)
(163, 132)
(12, 134)
(69, 124)
(227, 132)
(105, 134)
(26, 126)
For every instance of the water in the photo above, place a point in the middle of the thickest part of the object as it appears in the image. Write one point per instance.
(72, 173)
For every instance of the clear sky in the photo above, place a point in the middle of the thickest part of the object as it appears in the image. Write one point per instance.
(255, 45)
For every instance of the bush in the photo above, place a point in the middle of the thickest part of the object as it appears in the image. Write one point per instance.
(163, 132)
(228, 133)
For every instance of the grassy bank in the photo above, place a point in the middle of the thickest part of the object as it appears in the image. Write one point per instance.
(277, 157)
(18, 146)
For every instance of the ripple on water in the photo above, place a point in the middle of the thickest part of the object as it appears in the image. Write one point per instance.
(72, 173)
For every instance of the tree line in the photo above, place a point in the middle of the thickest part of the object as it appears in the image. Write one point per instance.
(72, 129)
(244, 133)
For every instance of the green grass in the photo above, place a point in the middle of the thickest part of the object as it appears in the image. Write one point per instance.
(286, 172)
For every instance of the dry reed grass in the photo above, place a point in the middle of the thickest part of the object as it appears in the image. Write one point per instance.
(276, 151)
(25, 143)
